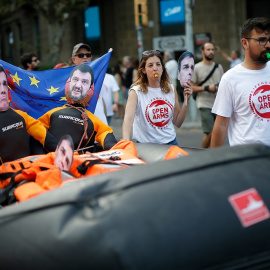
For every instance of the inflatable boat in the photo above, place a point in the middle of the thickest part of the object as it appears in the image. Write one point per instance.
(207, 210)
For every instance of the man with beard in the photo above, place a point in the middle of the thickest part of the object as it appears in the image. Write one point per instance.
(243, 100)
(84, 127)
(30, 61)
(206, 87)
(186, 64)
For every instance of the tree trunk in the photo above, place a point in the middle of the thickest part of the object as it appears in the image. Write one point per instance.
(56, 31)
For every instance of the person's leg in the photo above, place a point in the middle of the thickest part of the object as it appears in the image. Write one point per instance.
(208, 120)
(206, 140)
(109, 118)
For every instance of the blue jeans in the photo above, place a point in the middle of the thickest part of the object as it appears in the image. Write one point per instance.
(173, 142)
(109, 118)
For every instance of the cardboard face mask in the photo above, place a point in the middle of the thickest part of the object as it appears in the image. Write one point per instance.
(186, 65)
(4, 94)
(79, 88)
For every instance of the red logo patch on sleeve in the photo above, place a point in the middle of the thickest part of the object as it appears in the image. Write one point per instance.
(249, 207)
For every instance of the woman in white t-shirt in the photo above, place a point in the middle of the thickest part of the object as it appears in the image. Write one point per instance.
(152, 107)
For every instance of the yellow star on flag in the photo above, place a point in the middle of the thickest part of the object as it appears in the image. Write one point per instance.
(53, 90)
(63, 99)
(15, 78)
(34, 81)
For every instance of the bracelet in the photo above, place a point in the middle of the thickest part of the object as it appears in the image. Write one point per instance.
(206, 88)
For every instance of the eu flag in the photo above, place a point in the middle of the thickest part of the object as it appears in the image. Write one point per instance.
(37, 92)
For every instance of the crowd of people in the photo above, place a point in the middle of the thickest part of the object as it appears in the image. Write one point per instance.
(144, 94)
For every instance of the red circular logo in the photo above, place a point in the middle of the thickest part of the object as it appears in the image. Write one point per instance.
(159, 113)
(259, 101)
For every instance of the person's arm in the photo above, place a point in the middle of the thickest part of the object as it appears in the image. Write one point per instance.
(219, 131)
(208, 88)
(225, 55)
(104, 133)
(129, 114)
(116, 101)
(180, 113)
(37, 130)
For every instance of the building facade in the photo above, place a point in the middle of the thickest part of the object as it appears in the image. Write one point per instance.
(24, 30)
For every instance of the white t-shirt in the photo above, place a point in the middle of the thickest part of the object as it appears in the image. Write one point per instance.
(244, 96)
(172, 69)
(99, 111)
(154, 115)
(109, 86)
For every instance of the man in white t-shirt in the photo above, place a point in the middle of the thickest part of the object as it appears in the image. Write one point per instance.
(110, 88)
(171, 66)
(242, 104)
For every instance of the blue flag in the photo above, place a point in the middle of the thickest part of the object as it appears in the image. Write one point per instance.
(37, 92)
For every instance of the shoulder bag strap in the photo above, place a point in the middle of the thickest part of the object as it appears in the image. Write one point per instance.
(209, 75)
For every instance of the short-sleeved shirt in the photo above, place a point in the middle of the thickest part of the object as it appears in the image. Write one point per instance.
(206, 99)
(243, 96)
(154, 115)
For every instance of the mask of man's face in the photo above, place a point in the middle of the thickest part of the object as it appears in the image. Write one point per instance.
(186, 71)
(4, 103)
(63, 156)
(79, 85)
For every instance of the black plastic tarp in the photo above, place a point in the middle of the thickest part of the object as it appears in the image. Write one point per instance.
(167, 215)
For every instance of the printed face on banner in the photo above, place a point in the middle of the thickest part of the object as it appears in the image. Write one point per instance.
(186, 65)
(80, 84)
(4, 103)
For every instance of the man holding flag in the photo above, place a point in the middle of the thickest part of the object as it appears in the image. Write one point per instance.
(74, 119)
(82, 54)
(37, 92)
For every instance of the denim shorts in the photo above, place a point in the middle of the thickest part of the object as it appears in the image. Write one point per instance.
(173, 142)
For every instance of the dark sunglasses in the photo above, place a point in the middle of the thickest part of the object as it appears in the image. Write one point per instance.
(157, 52)
(262, 40)
(35, 60)
(81, 55)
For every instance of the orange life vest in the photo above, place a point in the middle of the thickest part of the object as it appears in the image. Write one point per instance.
(117, 158)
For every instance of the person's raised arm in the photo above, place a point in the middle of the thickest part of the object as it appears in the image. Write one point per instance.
(180, 113)
(219, 131)
(129, 114)
(225, 55)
